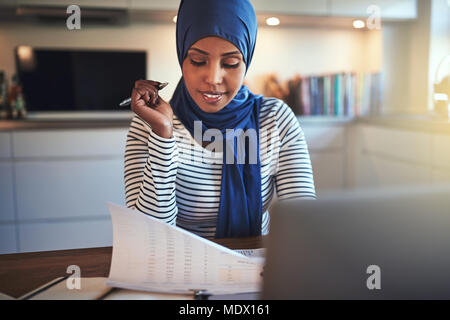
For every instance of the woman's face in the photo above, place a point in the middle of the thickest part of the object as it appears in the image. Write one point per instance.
(213, 72)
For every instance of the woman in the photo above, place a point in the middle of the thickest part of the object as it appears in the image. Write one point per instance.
(171, 173)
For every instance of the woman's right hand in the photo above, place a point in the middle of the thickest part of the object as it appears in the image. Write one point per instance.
(147, 104)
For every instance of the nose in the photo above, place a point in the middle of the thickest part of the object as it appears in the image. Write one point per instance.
(214, 74)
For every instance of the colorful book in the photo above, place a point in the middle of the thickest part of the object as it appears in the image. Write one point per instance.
(326, 95)
(331, 103)
(338, 95)
(313, 89)
(341, 94)
(348, 96)
(320, 96)
(305, 96)
(366, 94)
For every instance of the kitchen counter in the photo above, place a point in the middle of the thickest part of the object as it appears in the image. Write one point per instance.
(92, 123)
(15, 125)
(425, 123)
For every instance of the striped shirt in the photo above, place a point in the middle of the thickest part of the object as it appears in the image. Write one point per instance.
(179, 182)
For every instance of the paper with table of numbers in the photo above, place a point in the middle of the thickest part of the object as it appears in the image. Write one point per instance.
(151, 255)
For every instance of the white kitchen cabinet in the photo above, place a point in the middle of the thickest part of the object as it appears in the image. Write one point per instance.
(68, 173)
(106, 4)
(378, 171)
(8, 243)
(441, 151)
(68, 189)
(389, 9)
(386, 155)
(324, 137)
(440, 176)
(164, 5)
(329, 170)
(6, 179)
(327, 146)
(69, 143)
(441, 158)
(291, 7)
(65, 235)
(6, 192)
(406, 145)
(5, 145)
(55, 185)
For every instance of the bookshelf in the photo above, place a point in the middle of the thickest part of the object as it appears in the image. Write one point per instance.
(325, 120)
(339, 95)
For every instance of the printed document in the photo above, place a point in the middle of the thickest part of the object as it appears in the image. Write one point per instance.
(152, 255)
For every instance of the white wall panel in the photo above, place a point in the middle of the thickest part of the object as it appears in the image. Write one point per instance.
(399, 144)
(6, 192)
(329, 170)
(8, 243)
(5, 145)
(65, 235)
(440, 176)
(390, 9)
(58, 189)
(324, 137)
(67, 143)
(441, 151)
(293, 7)
(377, 171)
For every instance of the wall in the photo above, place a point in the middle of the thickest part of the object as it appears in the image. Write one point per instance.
(411, 52)
(314, 51)
(283, 50)
(396, 68)
(419, 38)
(439, 40)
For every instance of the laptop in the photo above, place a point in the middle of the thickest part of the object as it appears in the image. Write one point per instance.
(371, 244)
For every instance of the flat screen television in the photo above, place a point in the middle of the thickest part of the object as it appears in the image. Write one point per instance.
(78, 80)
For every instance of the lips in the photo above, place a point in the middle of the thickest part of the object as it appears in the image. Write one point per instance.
(212, 97)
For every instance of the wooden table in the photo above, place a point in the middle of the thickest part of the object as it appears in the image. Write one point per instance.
(22, 272)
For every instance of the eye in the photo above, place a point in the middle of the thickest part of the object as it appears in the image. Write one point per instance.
(225, 65)
(231, 65)
(197, 63)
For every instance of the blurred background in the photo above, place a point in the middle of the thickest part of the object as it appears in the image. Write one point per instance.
(367, 79)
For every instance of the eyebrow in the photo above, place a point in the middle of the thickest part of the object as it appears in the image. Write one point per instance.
(206, 53)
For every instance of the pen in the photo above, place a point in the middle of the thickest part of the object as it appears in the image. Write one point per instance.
(127, 102)
(200, 294)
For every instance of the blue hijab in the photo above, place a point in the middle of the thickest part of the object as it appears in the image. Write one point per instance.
(240, 209)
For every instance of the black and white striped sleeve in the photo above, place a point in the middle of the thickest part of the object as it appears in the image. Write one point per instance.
(150, 171)
(294, 177)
